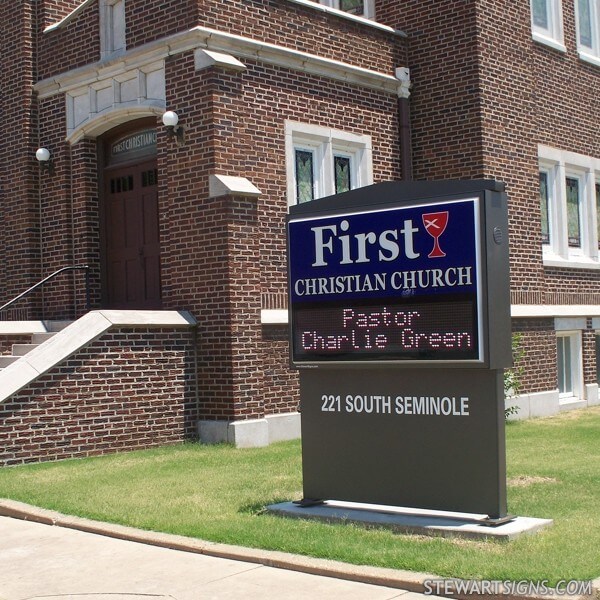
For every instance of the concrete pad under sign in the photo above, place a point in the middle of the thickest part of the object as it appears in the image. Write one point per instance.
(400, 520)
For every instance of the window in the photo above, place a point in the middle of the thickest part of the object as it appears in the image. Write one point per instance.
(360, 8)
(588, 29)
(112, 27)
(545, 207)
(343, 171)
(546, 23)
(568, 354)
(598, 212)
(569, 196)
(573, 212)
(305, 175)
(322, 161)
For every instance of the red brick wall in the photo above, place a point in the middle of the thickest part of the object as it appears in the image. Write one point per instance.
(72, 45)
(249, 113)
(56, 10)
(281, 393)
(222, 255)
(86, 221)
(127, 390)
(19, 210)
(78, 42)
(539, 358)
(443, 62)
(589, 353)
(56, 212)
(294, 26)
(484, 96)
(534, 95)
(149, 20)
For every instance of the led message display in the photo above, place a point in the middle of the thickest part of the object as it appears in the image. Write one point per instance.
(398, 284)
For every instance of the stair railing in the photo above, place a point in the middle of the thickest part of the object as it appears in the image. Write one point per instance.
(41, 283)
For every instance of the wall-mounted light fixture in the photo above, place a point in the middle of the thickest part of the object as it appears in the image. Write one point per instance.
(170, 120)
(44, 158)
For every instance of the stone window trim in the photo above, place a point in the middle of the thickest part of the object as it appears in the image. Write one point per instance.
(369, 7)
(569, 359)
(326, 142)
(559, 166)
(328, 6)
(589, 51)
(551, 34)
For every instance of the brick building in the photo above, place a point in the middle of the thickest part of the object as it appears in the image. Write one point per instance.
(182, 227)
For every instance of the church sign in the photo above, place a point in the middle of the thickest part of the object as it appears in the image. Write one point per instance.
(400, 326)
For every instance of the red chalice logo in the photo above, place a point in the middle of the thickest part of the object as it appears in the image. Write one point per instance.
(435, 224)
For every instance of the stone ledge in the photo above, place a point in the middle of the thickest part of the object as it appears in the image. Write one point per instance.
(253, 433)
(228, 185)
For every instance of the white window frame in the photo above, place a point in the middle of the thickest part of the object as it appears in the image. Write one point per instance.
(317, 151)
(585, 217)
(559, 165)
(590, 53)
(552, 35)
(325, 143)
(551, 179)
(576, 364)
(350, 154)
(369, 7)
(112, 28)
(596, 215)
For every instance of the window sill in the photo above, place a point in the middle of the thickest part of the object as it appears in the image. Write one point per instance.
(548, 41)
(589, 58)
(274, 316)
(571, 402)
(571, 263)
(340, 13)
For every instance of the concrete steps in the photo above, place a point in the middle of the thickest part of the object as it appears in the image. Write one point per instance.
(7, 360)
(19, 350)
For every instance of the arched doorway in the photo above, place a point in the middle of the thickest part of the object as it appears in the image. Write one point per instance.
(129, 219)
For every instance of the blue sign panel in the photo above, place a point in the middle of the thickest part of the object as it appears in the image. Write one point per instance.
(400, 283)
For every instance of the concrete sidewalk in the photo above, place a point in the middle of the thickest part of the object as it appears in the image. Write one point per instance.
(41, 561)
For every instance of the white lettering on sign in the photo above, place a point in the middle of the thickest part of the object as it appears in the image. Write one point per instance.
(432, 405)
(378, 282)
(441, 406)
(144, 139)
(354, 249)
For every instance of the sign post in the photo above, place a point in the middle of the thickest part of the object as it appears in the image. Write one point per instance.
(400, 326)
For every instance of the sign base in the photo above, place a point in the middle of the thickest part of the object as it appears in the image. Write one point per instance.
(405, 520)
(403, 437)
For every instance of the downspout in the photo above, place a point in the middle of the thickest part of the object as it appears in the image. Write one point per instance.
(404, 128)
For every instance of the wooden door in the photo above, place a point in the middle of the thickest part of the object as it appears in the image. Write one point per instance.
(132, 248)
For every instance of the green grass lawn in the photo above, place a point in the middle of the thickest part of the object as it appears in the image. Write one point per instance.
(218, 493)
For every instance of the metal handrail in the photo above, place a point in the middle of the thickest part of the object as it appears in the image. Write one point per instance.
(39, 284)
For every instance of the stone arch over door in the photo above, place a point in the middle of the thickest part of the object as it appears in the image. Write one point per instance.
(129, 221)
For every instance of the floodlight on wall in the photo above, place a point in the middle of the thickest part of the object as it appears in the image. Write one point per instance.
(44, 158)
(170, 120)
